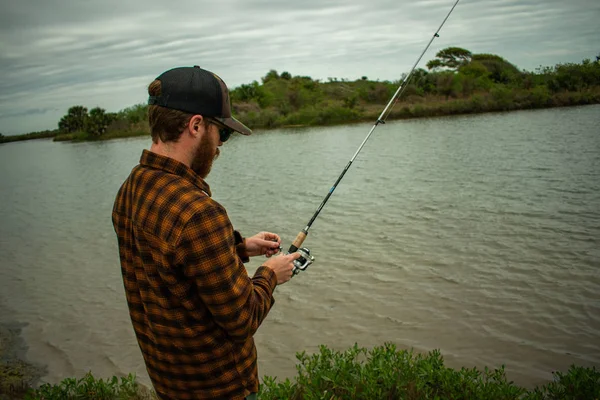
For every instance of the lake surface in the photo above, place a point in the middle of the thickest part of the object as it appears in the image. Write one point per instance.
(475, 235)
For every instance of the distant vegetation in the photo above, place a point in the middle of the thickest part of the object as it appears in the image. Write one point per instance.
(28, 136)
(79, 124)
(383, 372)
(454, 82)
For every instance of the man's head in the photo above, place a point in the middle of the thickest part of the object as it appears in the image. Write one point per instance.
(187, 99)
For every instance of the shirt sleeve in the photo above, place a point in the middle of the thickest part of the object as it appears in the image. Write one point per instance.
(208, 252)
(240, 246)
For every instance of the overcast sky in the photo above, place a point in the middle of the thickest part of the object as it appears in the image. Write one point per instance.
(59, 53)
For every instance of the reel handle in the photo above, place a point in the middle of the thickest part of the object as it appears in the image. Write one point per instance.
(305, 259)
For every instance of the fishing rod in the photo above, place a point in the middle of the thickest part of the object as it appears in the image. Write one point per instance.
(305, 259)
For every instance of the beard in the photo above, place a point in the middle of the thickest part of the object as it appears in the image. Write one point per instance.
(206, 153)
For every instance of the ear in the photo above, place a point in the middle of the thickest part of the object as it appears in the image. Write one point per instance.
(196, 125)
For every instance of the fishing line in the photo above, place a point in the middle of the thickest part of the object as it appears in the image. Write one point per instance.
(306, 259)
(404, 83)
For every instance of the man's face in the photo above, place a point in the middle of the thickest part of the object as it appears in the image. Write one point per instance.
(207, 151)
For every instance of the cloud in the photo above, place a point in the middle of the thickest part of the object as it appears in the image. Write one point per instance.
(58, 53)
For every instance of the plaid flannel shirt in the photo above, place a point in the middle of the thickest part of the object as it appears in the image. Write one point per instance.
(193, 306)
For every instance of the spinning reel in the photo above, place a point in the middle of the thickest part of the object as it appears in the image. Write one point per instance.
(302, 262)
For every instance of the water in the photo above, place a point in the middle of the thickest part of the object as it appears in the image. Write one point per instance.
(475, 235)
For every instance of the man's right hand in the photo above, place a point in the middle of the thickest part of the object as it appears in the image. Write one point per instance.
(282, 265)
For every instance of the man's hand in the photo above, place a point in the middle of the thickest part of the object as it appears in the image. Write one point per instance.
(282, 266)
(266, 243)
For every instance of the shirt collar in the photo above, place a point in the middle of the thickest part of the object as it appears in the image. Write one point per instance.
(167, 164)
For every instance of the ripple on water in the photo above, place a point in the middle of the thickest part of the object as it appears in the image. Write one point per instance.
(482, 242)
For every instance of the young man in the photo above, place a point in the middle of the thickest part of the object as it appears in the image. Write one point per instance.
(193, 306)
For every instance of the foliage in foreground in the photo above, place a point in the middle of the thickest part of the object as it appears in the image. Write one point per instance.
(87, 387)
(357, 373)
(387, 373)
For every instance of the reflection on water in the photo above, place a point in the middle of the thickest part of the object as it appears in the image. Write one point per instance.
(476, 235)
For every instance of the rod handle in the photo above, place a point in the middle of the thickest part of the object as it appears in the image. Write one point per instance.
(297, 242)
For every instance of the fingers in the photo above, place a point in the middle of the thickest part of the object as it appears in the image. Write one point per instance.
(273, 237)
(272, 245)
(272, 252)
(289, 272)
(286, 268)
(268, 244)
(285, 274)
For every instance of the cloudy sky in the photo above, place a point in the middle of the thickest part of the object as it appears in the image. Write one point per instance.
(59, 53)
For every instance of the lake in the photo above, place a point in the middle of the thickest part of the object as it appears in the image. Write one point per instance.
(476, 235)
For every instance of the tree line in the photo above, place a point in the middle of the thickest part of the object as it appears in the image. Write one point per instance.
(456, 81)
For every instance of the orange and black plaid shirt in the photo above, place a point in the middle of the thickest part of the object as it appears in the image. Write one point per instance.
(193, 306)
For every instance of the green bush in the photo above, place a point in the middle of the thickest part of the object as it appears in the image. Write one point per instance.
(577, 383)
(502, 96)
(134, 114)
(478, 103)
(305, 116)
(388, 373)
(337, 114)
(89, 387)
(384, 372)
(74, 136)
(540, 96)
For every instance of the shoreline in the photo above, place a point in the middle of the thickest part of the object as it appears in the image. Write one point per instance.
(402, 111)
(413, 111)
(456, 82)
(16, 374)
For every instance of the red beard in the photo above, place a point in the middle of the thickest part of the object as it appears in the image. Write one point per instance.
(206, 153)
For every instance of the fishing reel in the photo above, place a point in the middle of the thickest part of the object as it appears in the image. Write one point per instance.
(302, 262)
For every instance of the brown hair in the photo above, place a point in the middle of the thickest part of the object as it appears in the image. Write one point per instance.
(165, 124)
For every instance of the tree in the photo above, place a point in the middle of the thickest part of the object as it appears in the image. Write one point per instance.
(134, 114)
(450, 57)
(74, 120)
(97, 121)
(474, 69)
(286, 75)
(448, 84)
(247, 92)
(575, 77)
(272, 75)
(500, 70)
(423, 81)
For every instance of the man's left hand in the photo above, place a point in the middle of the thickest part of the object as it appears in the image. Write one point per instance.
(266, 243)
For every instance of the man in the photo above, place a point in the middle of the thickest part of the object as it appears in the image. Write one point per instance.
(193, 306)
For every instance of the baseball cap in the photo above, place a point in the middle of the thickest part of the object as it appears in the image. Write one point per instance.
(197, 91)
